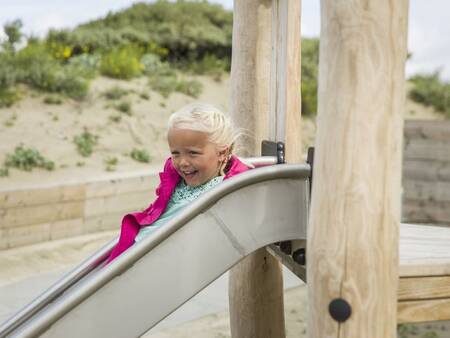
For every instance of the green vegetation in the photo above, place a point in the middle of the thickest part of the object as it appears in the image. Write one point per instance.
(8, 96)
(152, 39)
(85, 143)
(140, 155)
(27, 159)
(115, 118)
(121, 63)
(310, 63)
(430, 90)
(124, 107)
(53, 100)
(114, 93)
(191, 88)
(4, 171)
(111, 163)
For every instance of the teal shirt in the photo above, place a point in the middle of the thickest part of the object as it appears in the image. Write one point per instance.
(181, 197)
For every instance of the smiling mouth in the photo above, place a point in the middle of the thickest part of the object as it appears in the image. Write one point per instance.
(189, 174)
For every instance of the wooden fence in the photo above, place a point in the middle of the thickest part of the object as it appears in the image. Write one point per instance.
(426, 172)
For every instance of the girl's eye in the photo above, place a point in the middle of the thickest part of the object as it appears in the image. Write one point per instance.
(192, 152)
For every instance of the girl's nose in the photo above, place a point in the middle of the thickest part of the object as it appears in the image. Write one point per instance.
(183, 162)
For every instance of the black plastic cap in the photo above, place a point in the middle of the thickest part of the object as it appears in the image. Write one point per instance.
(340, 310)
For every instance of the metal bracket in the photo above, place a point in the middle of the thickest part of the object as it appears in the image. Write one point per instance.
(295, 259)
(270, 148)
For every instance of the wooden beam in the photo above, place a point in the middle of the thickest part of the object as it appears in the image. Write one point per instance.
(424, 310)
(355, 206)
(256, 283)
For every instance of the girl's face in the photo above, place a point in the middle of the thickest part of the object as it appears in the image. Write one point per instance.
(195, 158)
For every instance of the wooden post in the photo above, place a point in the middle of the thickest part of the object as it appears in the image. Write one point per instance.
(265, 78)
(355, 211)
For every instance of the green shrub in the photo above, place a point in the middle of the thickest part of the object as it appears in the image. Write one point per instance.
(210, 65)
(192, 88)
(4, 172)
(111, 163)
(115, 118)
(140, 155)
(124, 107)
(430, 90)
(309, 70)
(144, 96)
(39, 70)
(152, 65)
(27, 159)
(86, 65)
(165, 85)
(8, 96)
(85, 143)
(52, 100)
(121, 63)
(114, 93)
(8, 71)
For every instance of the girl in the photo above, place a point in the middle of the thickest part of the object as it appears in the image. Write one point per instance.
(201, 140)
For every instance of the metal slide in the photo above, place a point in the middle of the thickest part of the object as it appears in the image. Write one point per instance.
(160, 273)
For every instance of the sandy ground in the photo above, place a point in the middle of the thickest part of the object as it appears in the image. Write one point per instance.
(52, 128)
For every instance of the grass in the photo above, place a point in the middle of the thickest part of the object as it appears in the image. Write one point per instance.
(4, 172)
(9, 96)
(114, 93)
(53, 100)
(111, 163)
(124, 107)
(115, 118)
(27, 158)
(10, 122)
(140, 155)
(85, 143)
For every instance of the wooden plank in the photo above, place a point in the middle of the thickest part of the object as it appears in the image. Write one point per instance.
(436, 130)
(423, 310)
(355, 205)
(424, 149)
(421, 288)
(125, 183)
(425, 170)
(433, 191)
(49, 194)
(424, 250)
(37, 214)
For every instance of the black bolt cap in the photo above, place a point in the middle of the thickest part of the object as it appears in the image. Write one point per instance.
(299, 256)
(340, 310)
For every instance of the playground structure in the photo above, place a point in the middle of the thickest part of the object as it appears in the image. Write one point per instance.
(365, 271)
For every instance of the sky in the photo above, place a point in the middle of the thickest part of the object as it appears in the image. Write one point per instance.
(428, 40)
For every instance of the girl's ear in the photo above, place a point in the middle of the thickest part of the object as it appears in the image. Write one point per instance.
(223, 154)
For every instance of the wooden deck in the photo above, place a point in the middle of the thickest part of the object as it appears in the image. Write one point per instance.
(424, 289)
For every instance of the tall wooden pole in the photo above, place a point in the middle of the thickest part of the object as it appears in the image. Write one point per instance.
(355, 211)
(265, 78)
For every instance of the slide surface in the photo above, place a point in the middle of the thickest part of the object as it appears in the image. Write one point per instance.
(163, 271)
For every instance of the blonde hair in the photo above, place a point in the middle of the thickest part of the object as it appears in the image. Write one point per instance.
(208, 119)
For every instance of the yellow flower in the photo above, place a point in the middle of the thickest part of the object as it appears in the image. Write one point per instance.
(67, 52)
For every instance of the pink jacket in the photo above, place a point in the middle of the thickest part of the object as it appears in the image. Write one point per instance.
(131, 223)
